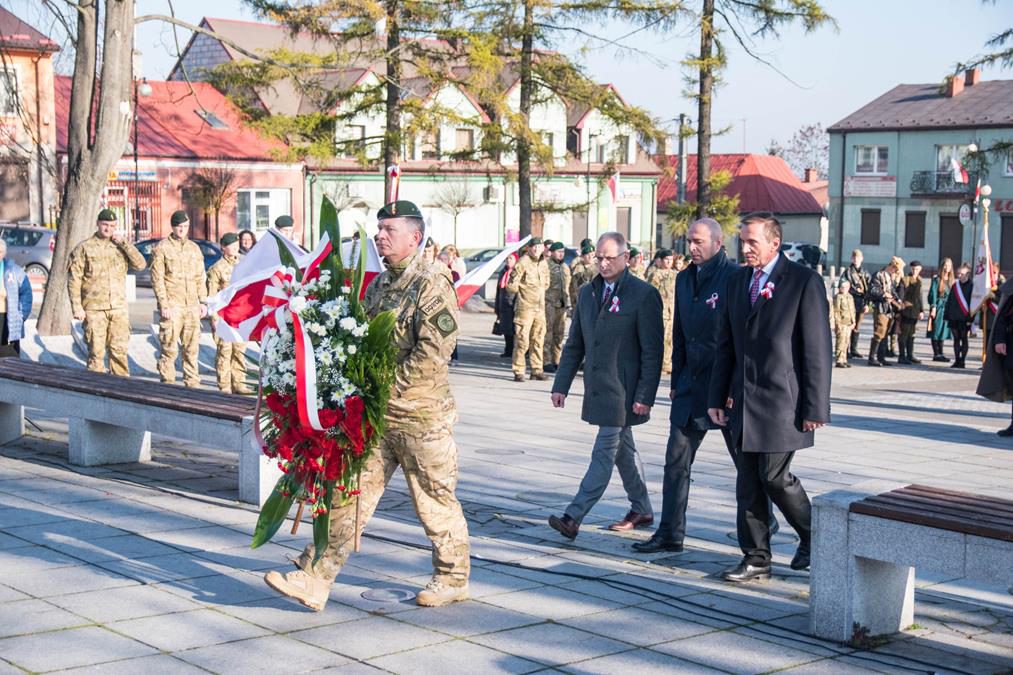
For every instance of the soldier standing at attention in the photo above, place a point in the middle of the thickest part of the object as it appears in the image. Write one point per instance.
(286, 226)
(843, 315)
(662, 277)
(96, 283)
(582, 270)
(911, 313)
(557, 301)
(177, 277)
(420, 419)
(637, 263)
(529, 281)
(230, 357)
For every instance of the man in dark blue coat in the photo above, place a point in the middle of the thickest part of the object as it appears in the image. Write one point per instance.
(617, 333)
(771, 386)
(700, 297)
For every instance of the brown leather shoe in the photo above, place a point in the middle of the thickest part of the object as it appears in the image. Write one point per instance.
(633, 520)
(539, 376)
(566, 526)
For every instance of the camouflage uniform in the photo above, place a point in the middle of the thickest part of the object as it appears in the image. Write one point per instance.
(230, 357)
(557, 300)
(420, 420)
(96, 283)
(664, 281)
(177, 277)
(638, 271)
(580, 273)
(843, 317)
(529, 280)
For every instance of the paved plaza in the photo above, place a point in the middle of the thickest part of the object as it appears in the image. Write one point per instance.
(147, 567)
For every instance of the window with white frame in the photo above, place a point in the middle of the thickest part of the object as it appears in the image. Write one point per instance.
(353, 140)
(464, 140)
(871, 158)
(547, 138)
(430, 145)
(8, 92)
(1009, 162)
(257, 208)
(945, 154)
(600, 150)
(622, 152)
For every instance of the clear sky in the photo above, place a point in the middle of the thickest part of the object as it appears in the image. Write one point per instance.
(880, 43)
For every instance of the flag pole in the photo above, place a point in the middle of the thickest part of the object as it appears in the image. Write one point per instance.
(984, 305)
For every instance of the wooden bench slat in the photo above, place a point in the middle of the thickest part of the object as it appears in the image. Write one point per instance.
(997, 503)
(929, 508)
(943, 501)
(917, 517)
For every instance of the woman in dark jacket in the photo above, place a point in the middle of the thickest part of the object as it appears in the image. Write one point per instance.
(504, 306)
(958, 314)
(996, 381)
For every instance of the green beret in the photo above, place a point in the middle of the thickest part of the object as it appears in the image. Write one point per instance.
(402, 208)
(107, 215)
(284, 221)
(229, 238)
(663, 253)
(586, 242)
(178, 218)
(534, 241)
(634, 251)
(586, 248)
(557, 246)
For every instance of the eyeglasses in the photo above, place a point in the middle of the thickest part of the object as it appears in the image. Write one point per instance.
(609, 258)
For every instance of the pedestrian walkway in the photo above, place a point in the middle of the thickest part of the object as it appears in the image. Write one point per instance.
(147, 567)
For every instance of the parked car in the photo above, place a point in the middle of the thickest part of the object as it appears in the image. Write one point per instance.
(476, 258)
(810, 255)
(147, 248)
(31, 247)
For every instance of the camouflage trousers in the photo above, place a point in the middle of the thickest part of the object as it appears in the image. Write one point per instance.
(842, 334)
(429, 461)
(107, 330)
(230, 366)
(529, 335)
(184, 326)
(666, 358)
(555, 332)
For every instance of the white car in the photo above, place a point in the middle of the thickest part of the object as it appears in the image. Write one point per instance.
(804, 253)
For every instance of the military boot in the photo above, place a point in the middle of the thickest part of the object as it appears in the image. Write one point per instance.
(438, 593)
(911, 351)
(873, 348)
(853, 350)
(300, 586)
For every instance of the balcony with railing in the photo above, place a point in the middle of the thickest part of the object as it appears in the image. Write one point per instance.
(941, 184)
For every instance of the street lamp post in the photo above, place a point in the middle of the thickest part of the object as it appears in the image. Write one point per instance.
(587, 183)
(141, 88)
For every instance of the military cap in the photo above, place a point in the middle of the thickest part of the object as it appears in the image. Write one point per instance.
(534, 241)
(550, 242)
(402, 208)
(586, 248)
(107, 215)
(915, 263)
(586, 242)
(663, 253)
(229, 238)
(178, 218)
(634, 251)
(557, 246)
(284, 221)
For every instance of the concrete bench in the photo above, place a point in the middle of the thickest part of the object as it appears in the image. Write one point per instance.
(868, 540)
(111, 418)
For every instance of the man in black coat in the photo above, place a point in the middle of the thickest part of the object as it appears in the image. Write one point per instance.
(617, 333)
(700, 297)
(771, 386)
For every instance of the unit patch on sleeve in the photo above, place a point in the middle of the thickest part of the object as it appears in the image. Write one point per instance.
(444, 322)
(430, 306)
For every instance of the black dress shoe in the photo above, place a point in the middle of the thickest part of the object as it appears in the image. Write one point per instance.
(566, 526)
(551, 368)
(801, 559)
(746, 572)
(1005, 433)
(656, 544)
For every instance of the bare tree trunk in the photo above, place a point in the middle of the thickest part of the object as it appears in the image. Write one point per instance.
(703, 134)
(89, 158)
(523, 144)
(392, 136)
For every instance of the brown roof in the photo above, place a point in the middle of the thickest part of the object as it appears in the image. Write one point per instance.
(16, 34)
(921, 106)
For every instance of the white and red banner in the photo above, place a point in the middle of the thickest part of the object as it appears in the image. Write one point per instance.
(469, 284)
(985, 273)
(958, 171)
(350, 252)
(394, 171)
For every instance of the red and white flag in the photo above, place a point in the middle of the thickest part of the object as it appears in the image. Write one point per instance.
(613, 184)
(350, 251)
(985, 272)
(394, 171)
(469, 284)
(958, 171)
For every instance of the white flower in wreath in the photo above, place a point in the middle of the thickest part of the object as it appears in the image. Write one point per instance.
(351, 349)
(348, 323)
(297, 304)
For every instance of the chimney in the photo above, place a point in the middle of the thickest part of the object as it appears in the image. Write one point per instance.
(811, 176)
(972, 77)
(954, 85)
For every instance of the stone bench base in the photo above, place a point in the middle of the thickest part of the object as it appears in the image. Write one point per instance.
(863, 567)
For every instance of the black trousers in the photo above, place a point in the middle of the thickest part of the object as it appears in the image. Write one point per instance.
(5, 333)
(763, 475)
(960, 330)
(683, 442)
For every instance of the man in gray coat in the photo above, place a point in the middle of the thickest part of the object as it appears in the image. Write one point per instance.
(618, 334)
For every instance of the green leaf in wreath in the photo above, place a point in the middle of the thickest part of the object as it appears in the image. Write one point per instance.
(272, 515)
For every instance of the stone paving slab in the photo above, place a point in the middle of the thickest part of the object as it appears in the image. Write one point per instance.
(146, 567)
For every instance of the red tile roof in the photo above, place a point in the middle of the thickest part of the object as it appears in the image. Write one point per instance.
(15, 34)
(169, 125)
(763, 183)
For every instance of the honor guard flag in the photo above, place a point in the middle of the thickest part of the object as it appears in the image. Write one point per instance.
(984, 272)
(350, 252)
(469, 284)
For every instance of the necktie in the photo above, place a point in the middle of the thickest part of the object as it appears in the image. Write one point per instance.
(606, 295)
(754, 290)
